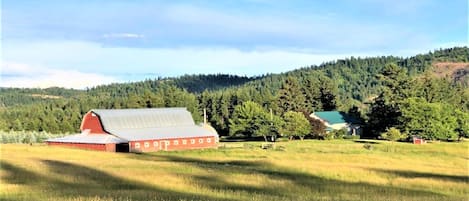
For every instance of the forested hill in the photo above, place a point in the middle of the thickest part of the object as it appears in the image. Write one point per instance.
(19, 96)
(356, 79)
(343, 84)
(191, 83)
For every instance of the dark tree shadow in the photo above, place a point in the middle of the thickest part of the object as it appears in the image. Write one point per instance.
(366, 142)
(414, 174)
(87, 183)
(242, 139)
(309, 187)
(77, 180)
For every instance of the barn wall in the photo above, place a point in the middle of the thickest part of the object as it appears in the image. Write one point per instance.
(91, 121)
(111, 147)
(173, 144)
(97, 147)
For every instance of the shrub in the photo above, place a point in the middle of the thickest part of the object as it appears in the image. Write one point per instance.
(352, 137)
(340, 134)
(26, 137)
(393, 134)
(329, 136)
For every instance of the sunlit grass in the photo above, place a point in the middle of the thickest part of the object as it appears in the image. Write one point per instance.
(300, 170)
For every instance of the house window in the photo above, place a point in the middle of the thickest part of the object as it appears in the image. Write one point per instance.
(155, 144)
(201, 141)
(209, 140)
(176, 142)
(184, 141)
(192, 141)
(146, 144)
(137, 145)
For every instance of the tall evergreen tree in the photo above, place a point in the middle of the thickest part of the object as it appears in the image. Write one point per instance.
(328, 92)
(312, 91)
(385, 110)
(290, 96)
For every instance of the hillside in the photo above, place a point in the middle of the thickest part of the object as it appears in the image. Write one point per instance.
(19, 96)
(191, 83)
(343, 84)
(456, 71)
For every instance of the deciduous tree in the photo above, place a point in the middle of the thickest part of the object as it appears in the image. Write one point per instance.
(295, 125)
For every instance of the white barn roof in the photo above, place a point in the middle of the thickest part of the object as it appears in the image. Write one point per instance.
(151, 123)
(124, 125)
(117, 119)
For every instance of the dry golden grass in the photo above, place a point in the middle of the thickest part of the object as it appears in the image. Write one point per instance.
(304, 170)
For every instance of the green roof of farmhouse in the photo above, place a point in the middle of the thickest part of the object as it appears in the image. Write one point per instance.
(336, 117)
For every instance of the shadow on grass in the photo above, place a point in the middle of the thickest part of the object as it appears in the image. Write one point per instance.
(414, 174)
(241, 139)
(294, 185)
(70, 181)
(366, 141)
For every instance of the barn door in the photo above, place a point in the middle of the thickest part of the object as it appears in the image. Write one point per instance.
(122, 147)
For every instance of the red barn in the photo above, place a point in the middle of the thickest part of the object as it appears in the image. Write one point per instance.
(139, 130)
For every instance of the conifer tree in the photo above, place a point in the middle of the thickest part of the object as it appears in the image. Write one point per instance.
(290, 96)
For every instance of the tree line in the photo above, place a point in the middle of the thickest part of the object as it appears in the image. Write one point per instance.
(386, 92)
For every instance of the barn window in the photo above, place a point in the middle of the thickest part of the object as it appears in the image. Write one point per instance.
(192, 141)
(175, 142)
(137, 145)
(184, 141)
(201, 141)
(209, 140)
(147, 144)
(167, 143)
(155, 144)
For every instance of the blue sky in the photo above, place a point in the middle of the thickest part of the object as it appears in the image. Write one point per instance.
(76, 44)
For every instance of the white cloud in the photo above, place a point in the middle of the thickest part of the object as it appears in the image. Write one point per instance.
(92, 57)
(123, 35)
(25, 76)
(77, 64)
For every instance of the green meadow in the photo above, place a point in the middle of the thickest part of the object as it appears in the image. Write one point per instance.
(298, 170)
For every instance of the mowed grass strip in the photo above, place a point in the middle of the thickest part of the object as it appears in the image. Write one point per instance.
(300, 170)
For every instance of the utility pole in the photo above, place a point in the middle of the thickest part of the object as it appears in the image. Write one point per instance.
(272, 124)
(205, 116)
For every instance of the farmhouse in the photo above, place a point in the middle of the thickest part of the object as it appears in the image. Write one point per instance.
(335, 120)
(139, 130)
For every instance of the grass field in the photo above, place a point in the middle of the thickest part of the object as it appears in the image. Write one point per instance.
(301, 170)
